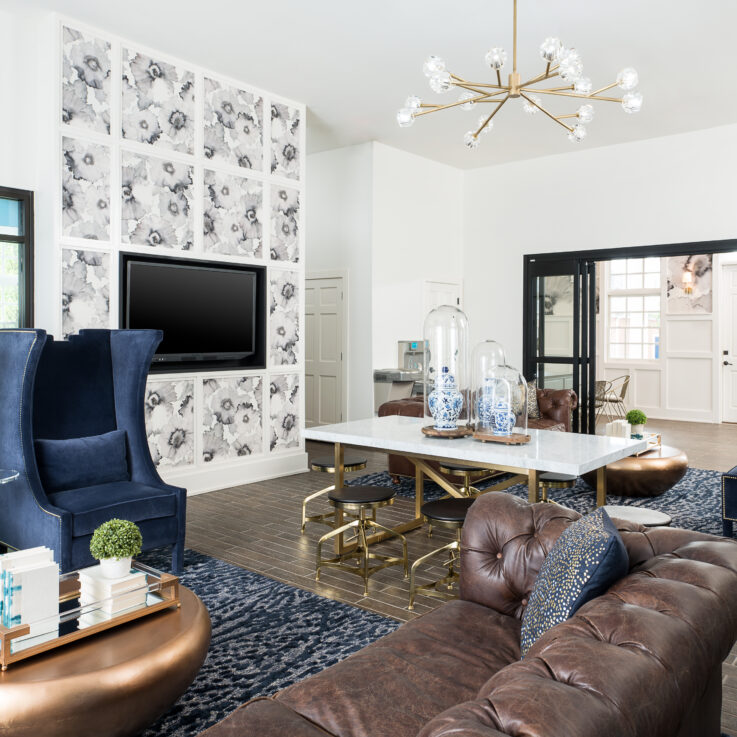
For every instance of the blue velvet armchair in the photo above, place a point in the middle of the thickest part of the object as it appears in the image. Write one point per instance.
(87, 386)
(729, 501)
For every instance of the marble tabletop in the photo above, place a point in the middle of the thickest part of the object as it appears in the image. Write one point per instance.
(557, 452)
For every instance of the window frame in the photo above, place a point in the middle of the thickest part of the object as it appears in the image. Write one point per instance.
(25, 310)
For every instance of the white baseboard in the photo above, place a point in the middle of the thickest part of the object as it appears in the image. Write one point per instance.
(202, 479)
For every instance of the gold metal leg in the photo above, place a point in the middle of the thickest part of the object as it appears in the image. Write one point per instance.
(337, 532)
(601, 486)
(339, 466)
(432, 589)
(323, 518)
(533, 485)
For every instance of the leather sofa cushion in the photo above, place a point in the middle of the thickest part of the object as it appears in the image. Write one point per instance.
(395, 685)
(93, 505)
(546, 424)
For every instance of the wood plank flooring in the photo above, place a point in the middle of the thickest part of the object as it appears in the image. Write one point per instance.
(256, 526)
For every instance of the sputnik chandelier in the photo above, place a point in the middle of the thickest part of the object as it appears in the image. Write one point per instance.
(560, 61)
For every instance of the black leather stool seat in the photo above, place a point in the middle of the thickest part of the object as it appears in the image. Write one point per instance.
(447, 510)
(325, 463)
(361, 494)
(463, 469)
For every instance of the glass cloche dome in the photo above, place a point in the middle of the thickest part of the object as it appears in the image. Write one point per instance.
(500, 395)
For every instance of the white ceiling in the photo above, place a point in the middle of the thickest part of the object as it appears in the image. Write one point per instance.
(353, 63)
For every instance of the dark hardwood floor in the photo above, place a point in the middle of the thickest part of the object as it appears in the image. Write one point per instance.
(256, 526)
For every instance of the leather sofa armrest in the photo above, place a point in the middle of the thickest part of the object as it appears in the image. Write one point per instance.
(557, 404)
(264, 717)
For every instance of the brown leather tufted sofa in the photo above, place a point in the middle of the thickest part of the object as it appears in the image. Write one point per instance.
(643, 660)
(555, 406)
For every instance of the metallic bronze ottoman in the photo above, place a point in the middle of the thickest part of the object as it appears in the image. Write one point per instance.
(649, 474)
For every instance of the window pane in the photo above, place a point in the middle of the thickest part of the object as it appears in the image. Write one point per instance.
(616, 335)
(637, 319)
(653, 319)
(652, 265)
(634, 304)
(652, 281)
(617, 281)
(618, 304)
(634, 281)
(634, 266)
(652, 303)
(9, 285)
(634, 351)
(616, 351)
(11, 217)
(618, 267)
(648, 352)
(618, 320)
(650, 334)
(634, 335)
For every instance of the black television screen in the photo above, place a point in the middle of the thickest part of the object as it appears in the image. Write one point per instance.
(207, 312)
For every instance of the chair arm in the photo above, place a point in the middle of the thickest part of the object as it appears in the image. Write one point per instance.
(557, 404)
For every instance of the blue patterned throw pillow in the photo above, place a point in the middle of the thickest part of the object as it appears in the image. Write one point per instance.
(582, 564)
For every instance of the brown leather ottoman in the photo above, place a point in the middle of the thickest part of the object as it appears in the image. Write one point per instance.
(649, 474)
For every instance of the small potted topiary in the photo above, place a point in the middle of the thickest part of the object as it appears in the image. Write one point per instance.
(114, 543)
(637, 418)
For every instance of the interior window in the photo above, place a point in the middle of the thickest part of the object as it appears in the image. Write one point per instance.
(16, 258)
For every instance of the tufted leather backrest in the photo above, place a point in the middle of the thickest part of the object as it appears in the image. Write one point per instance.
(557, 404)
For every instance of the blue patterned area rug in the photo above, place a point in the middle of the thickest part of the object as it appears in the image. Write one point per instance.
(265, 636)
(694, 503)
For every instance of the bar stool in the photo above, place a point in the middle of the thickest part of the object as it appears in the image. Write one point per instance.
(467, 473)
(444, 513)
(550, 481)
(326, 464)
(357, 501)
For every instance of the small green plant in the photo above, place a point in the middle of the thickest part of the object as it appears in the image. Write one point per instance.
(116, 538)
(636, 417)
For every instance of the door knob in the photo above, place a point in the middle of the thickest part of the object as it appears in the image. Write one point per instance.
(726, 363)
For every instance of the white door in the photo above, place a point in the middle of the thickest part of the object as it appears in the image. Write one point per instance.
(437, 293)
(324, 351)
(729, 343)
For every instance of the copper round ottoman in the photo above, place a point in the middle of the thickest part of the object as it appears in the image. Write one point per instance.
(649, 474)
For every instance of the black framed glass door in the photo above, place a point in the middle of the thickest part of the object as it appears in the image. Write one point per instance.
(560, 330)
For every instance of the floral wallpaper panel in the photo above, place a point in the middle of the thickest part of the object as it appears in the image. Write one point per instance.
(233, 215)
(231, 418)
(284, 411)
(284, 318)
(85, 190)
(157, 200)
(85, 290)
(285, 153)
(233, 125)
(158, 103)
(284, 224)
(85, 81)
(169, 412)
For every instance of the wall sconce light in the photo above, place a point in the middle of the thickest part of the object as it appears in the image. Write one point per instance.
(687, 281)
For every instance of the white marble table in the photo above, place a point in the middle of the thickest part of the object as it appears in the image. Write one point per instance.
(558, 452)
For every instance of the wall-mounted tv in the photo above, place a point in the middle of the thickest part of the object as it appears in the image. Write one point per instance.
(211, 314)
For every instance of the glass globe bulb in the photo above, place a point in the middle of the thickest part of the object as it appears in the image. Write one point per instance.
(433, 65)
(583, 86)
(440, 82)
(550, 48)
(528, 107)
(577, 134)
(628, 79)
(405, 117)
(471, 140)
(496, 58)
(413, 103)
(570, 65)
(586, 113)
(469, 97)
(632, 102)
(488, 126)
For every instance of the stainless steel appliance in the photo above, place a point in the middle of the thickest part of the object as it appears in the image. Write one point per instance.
(393, 384)
(410, 355)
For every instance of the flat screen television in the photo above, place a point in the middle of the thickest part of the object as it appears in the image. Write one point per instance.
(210, 313)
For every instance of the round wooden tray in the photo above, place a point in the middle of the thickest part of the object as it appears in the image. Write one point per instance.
(513, 439)
(460, 432)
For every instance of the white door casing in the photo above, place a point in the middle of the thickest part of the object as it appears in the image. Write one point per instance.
(729, 343)
(437, 293)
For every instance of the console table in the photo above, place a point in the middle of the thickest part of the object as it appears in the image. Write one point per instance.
(557, 452)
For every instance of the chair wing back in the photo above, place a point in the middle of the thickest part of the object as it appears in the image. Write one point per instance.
(625, 384)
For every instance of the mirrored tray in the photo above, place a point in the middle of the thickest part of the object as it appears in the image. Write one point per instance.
(76, 621)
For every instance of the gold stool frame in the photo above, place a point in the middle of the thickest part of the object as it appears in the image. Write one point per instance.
(468, 475)
(361, 553)
(328, 518)
(546, 484)
(448, 581)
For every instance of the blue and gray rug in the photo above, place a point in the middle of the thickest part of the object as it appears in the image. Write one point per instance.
(265, 636)
(694, 503)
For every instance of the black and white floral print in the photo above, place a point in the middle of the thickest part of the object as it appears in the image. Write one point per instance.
(169, 412)
(85, 81)
(285, 154)
(158, 102)
(284, 318)
(233, 214)
(85, 194)
(284, 224)
(233, 125)
(284, 410)
(85, 298)
(156, 205)
(231, 417)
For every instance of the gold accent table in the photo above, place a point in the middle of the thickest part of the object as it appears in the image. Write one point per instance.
(113, 684)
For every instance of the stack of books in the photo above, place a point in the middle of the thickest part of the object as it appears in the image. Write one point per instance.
(30, 590)
(109, 596)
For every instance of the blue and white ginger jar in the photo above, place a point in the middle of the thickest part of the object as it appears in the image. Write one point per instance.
(485, 405)
(504, 418)
(445, 401)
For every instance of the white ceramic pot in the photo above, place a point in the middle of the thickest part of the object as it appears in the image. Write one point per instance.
(638, 429)
(115, 567)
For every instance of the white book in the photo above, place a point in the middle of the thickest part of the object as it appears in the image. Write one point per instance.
(33, 593)
(117, 603)
(92, 579)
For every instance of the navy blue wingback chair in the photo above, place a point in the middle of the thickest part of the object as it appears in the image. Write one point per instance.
(90, 385)
(729, 501)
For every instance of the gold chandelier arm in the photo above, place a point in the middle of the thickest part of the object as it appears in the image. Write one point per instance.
(484, 85)
(552, 89)
(488, 120)
(549, 74)
(499, 77)
(434, 108)
(549, 114)
(475, 88)
(577, 95)
(603, 89)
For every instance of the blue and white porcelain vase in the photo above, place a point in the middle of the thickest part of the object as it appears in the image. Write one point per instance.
(485, 405)
(504, 418)
(445, 401)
